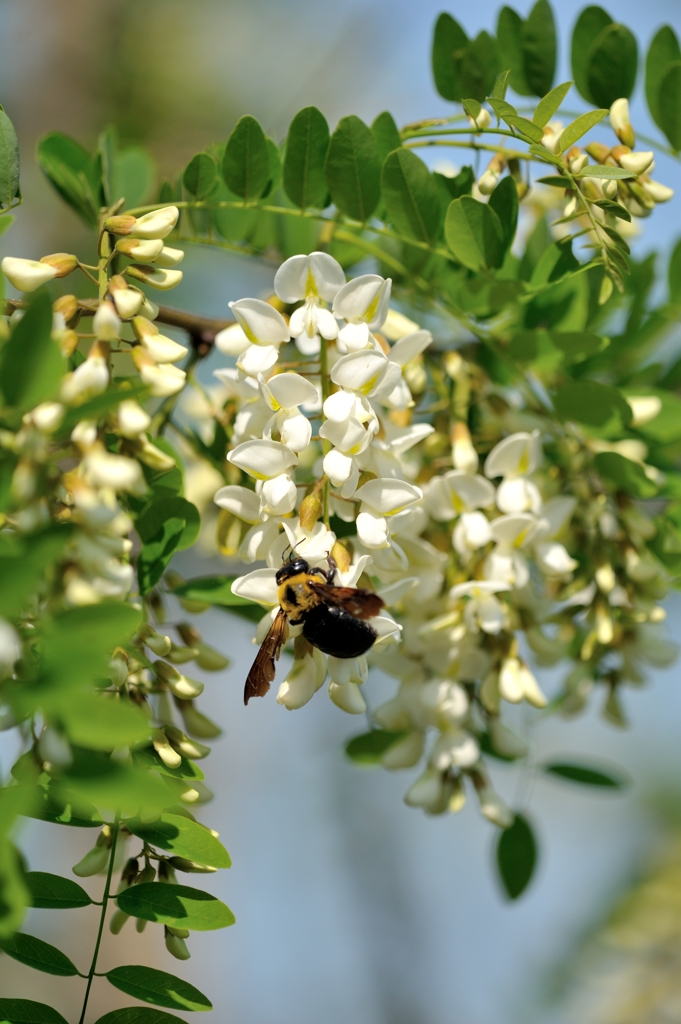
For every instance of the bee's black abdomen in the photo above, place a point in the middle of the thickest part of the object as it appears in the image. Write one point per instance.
(334, 631)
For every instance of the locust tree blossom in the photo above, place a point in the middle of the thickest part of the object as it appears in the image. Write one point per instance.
(314, 279)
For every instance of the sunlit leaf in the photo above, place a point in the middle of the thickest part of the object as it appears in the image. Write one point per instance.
(180, 906)
(159, 987)
(183, 837)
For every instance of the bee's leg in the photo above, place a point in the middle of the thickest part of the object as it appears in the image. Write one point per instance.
(330, 576)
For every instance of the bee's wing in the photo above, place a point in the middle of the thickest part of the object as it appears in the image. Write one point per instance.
(263, 669)
(363, 604)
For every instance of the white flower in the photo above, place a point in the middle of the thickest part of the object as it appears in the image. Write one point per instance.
(363, 300)
(142, 249)
(263, 459)
(368, 372)
(511, 533)
(494, 808)
(87, 380)
(128, 301)
(482, 611)
(261, 323)
(157, 346)
(515, 458)
(169, 257)
(284, 393)
(516, 683)
(132, 419)
(158, 278)
(348, 697)
(552, 557)
(278, 496)
(637, 163)
(156, 224)
(380, 498)
(240, 502)
(106, 323)
(163, 379)
(429, 792)
(311, 278)
(47, 416)
(455, 747)
(102, 469)
(304, 678)
(621, 124)
(409, 347)
(232, 341)
(27, 275)
(455, 492)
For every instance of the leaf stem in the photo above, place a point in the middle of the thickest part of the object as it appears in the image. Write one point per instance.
(102, 917)
(324, 374)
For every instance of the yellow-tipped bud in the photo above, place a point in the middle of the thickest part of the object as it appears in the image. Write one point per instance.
(310, 511)
(63, 262)
(619, 119)
(121, 225)
(598, 151)
(67, 305)
(341, 556)
(128, 301)
(161, 279)
(190, 866)
(146, 250)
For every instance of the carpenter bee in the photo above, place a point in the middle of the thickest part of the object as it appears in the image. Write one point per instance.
(333, 619)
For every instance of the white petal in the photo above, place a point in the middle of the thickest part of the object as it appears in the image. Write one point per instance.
(391, 388)
(360, 371)
(300, 684)
(514, 530)
(308, 346)
(239, 386)
(162, 349)
(476, 588)
(355, 338)
(337, 467)
(372, 529)
(471, 532)
(163, 380)
(553, 559)
(407, 437)
(261, 323)
(351, 577)
(469, 491)
(240, 502)
(258, 541)
(409, 347)
(364, 298)
(490, 614)
(317, 274)
(455, 747)
(27, 275)
(350, 486)
(327, 325)
(340, 669)
(298, 322)
(291, 278)
(278, 496)
(290, 389)
(389, 496)
(328, 275)
(517, 455)
(518, 495)
(348, 698)
(295, 430)
(232, 341)
(257, 359)
(349, 437)
(132, 419)
(510, 681)
(260, 586)
(397, 325)
(340, 405)
(555, 515)
(263, 459)
(157, 223)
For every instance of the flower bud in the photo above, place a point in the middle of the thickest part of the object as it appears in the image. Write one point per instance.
(310, 511)
(128, 301)
(47, 416)
(68, 343)
(619, 119)
(209, 659)
(551, 137)
(196, 793)
(67, 305)
(53, 748)
(429, 792)
(156, 642)
(483, 120)
(92, 863)
(190, 866)
(637, 163)
(181, 655)
(161, 279)
(156, 345)
(657, 192)
(87, 380)
(162, 380)
(120, 225)
(118, 919)
(156, 224)
(106, 323)
(405, 753)
(494, 808)
(609, 186)
(176, 947)
(598, 151)
(166, 874)
(146, 250)
(196, 723)
(577, 160)
(169, 257)
(348, 697)
(188, 748)
(341, 556)
(27, 275)
(490, 179)
(132, 421)
(168, 755)
(605, 290)
(464, 455)
(62, 262)
(178, 684)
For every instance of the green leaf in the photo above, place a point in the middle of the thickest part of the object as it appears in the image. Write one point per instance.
(603, 171)
(103, 721)
(586, 775)
(180, 906)
(9, 162)
(155, 556)
(106, 625)
(93, 776)
(479, 64)
(554, 181)
(212, 590)
(152, 986)
(592, 403)
(548, 106)
(626, 475)
(449, 38)
(201, 176)
(411, 196)
(183, 837)
(386, 135)
(474, 234)
(126, 173)
(370, 747)
(612, 63)
(460, 185)
(353, 169)
(306, 149)
(538, 42)
(52, 892)
(23, 566)
(580, 126)
(674, 274)
(509, 37)
(555, 262)
(38, 954)
(590, 23)
(153, 517)
(516, 857)
(76, 813)
(504, 202)
(6, 222)
(150, 759)
(670, 104)
(664, 50)
(246, 164)
(73, 172)
(32, 365)
(501, 85)
(14, 895)
(139, 1015)
(26, 1011)
(526, 128)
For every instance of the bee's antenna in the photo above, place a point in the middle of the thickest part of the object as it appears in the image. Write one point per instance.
(292, 550)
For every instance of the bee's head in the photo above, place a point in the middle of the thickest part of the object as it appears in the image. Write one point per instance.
(293, 567)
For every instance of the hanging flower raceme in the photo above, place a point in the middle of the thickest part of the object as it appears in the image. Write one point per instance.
(314, 279)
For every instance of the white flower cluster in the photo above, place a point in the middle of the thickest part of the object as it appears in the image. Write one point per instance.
(362, 456)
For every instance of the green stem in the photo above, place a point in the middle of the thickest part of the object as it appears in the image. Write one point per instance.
(102, 917)
(102, 266)
(510, 154)
(460, 131)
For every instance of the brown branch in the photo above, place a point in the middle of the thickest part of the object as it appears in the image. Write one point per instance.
(201, 329)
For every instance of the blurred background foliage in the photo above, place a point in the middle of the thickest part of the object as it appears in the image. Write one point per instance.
(351, 907)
